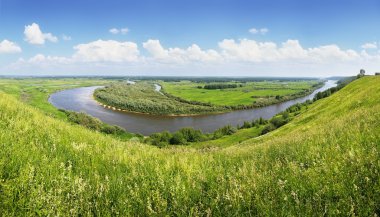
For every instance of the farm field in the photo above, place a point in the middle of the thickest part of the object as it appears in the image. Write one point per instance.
(247, 93)
(324, 162)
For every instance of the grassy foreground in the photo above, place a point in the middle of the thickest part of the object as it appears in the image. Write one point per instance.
(325, 162)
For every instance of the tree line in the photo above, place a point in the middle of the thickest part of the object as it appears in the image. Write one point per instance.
(221, 86)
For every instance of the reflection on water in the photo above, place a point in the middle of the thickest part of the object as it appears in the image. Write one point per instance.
(81, 100)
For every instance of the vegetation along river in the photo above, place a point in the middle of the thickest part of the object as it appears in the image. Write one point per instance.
(81, 100)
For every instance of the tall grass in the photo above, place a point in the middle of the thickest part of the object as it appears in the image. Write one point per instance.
(325, 162)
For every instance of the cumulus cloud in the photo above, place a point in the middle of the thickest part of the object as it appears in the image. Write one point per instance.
(122, 31)
(231, 57)
(372, 45)
(192, 53)
(9, 47)
(101, 51)
(34, 35)
(253, 51)
(261, 31)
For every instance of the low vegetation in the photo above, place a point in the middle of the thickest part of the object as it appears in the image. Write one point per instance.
(95, 124)
(326, 161)
(142, 97)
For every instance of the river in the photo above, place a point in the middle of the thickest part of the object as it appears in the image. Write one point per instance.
(81, 100)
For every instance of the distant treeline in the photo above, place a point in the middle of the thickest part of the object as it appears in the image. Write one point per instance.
(212, 79)
(221, 86)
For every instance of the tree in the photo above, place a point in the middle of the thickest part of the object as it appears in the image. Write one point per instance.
(361, 73)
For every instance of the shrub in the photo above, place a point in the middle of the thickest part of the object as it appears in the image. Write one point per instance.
(269, 127)
(178, 139)
(191, 135)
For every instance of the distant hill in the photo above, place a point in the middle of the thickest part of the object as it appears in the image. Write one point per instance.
(325, 162)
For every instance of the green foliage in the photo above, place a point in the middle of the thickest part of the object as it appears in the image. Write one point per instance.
(224, 131)
(178, 139)
(84, 120)
(92, 123)
(191, 135)
(246, 125)
(220, 86)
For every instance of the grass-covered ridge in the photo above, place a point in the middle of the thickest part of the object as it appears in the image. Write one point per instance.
(325, 162)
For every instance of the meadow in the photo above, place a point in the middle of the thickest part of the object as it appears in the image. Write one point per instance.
(259, 93)
(326, 161)
(197, 97)
(143, 98)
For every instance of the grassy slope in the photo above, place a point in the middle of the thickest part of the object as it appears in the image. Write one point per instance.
(325, 161)
(246, 95)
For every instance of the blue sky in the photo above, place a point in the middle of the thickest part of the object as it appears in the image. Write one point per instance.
(254, 26)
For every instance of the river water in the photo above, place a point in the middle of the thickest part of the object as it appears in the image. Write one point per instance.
(81, 100)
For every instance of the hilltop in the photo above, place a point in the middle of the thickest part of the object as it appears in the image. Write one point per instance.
(326, 161)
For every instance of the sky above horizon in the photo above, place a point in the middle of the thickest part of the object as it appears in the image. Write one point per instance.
(314, 38)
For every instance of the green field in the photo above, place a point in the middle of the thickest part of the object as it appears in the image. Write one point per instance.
(259, 93)
(142, 97)
(326, 161)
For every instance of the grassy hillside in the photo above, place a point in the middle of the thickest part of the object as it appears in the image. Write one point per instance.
(325, 162)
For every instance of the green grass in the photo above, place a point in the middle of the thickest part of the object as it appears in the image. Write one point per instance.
(230, 140)
(260, 93)
(142, 97)
(325, 162)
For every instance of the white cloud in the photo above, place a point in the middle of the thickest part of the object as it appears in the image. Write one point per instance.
(253, 31)
(243, 57)
(9, 47)
(66, 38)
(112, 51)
(372, 45)
(114, 31)
(122, 31)
(179, 55)
(253, 51)
(34, 35)
(42, 59)
(262, 31)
